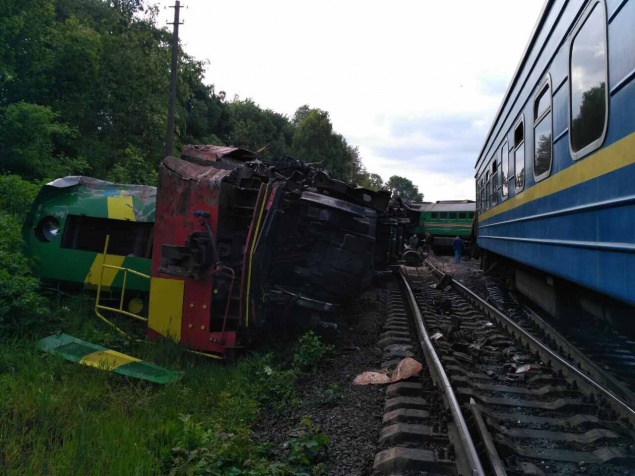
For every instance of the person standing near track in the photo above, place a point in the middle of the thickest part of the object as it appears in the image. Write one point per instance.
(458, 248)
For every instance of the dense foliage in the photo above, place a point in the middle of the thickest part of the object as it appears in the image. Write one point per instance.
(20, 304)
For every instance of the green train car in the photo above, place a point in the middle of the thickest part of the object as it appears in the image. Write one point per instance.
(66, 228)
(444, 220)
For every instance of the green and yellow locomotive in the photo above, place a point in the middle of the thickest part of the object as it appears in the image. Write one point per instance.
(69, 221)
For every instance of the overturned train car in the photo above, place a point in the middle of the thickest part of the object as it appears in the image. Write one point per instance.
(66, 228)
(241, 246)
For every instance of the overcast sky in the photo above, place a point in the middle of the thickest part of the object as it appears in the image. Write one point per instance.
(414, 83)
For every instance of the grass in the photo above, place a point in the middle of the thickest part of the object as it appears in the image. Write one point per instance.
(60, 418)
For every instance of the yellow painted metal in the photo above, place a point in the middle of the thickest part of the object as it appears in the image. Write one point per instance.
(107, 359)
(614, 157)
(166, 307)
(96, 275)
(121, 207)
(254, 238)
(203, 354)
(135, 305)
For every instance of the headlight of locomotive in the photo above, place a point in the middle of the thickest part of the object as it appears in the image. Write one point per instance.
(48, 228)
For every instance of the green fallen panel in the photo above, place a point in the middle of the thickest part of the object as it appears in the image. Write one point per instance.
(86, 353)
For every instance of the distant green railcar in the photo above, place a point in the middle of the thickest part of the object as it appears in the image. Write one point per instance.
(67, 226)
(444, 220)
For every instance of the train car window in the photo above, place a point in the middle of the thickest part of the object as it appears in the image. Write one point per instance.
(479, 186)
(127, 238)
(487, 191)
(519, 156)
(495, 182)
(443, 215)
(462, 215)
(452, 215)
(543, 144)
(434, 215)
(587, 88)
(505, 168)
(470, 215)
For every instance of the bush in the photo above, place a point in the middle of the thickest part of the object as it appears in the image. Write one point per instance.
(16, 196)
(217, 452)
(220, 451)
(310, 352)
(28, 137)
(20, 305)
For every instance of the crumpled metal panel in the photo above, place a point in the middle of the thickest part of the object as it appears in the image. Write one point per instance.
(193, 171)
(377, 200)
(333, 203)
(214, 154)
(100, 189)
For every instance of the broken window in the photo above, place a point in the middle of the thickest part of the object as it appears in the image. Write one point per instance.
(127, 238)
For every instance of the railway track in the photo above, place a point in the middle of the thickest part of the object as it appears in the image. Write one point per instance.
(424, 429)
(509, 404)
(607, 356)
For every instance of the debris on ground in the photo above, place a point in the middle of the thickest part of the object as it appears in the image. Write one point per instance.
(92, 355)
(406, 368)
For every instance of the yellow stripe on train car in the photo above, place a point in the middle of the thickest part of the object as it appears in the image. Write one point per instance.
(121, 208)
(107, 359)
(614, 157)
(109, 274)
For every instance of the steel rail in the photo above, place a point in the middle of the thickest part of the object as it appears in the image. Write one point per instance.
(584, 362)
(471, 455)
(582, 379)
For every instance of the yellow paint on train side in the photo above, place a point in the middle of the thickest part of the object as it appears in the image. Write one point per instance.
(166, 307)
(121, 207)
(611, 158)
(109, 274)
(107, 359)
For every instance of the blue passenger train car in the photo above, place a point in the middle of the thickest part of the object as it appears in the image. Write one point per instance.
(555, 178)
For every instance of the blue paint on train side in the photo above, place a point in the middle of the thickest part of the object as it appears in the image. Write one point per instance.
(578, 222)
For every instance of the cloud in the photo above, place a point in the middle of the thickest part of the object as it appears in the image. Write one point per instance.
(434, 144)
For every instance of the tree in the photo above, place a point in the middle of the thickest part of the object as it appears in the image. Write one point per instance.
(255, 129)
(314, 141)
(375, 182)
(29, 142)
(84, 88)
(404, 188)
(300, 114)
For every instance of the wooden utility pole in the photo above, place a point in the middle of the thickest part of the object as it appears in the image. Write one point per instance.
(169, 136)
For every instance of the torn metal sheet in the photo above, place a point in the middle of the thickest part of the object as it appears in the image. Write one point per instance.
(92, 355)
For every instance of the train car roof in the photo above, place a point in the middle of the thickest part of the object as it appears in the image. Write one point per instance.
(519, 68)
(103, 187)
(445, 206)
